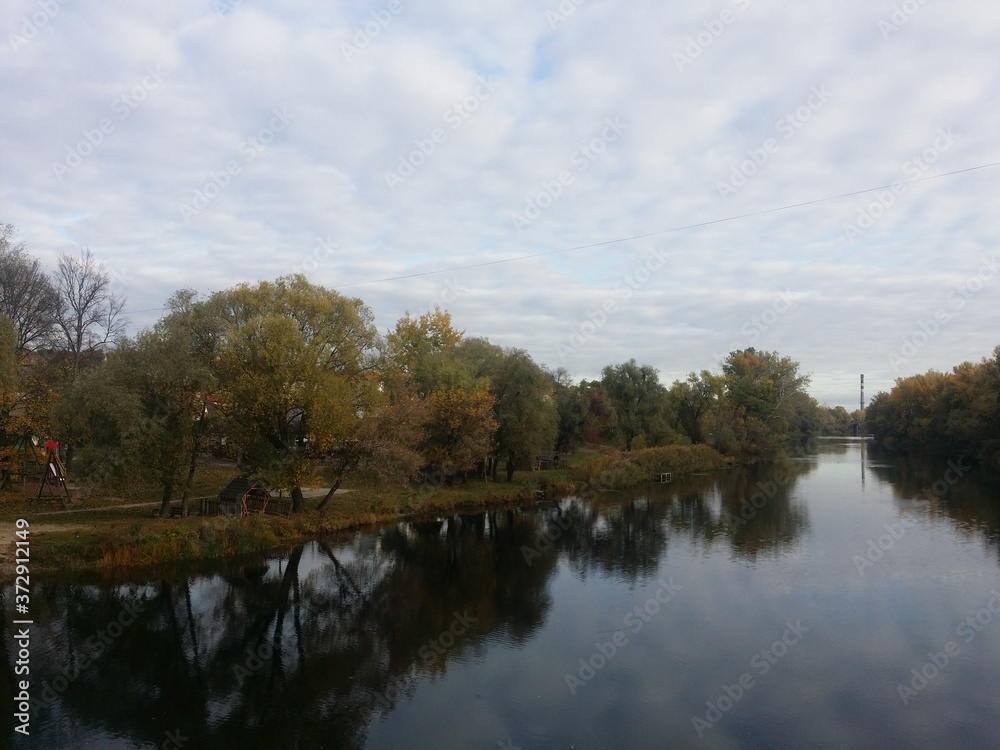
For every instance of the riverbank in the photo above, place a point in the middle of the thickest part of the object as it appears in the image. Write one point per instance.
(108, 534)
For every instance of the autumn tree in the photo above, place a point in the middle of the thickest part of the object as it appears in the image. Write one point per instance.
(8, 353)
(762, 391)
(295, 362)
(422, 355)
(955, 412)
(27, 297)
(524, 408)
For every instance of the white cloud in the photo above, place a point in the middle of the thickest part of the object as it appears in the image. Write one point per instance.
(360, 116)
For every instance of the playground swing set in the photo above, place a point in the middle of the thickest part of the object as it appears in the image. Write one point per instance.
(47, 465)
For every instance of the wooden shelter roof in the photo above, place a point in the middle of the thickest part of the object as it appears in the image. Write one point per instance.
(240, 487)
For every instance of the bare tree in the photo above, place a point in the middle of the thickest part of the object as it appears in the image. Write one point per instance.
(27, 296)
(89, 312)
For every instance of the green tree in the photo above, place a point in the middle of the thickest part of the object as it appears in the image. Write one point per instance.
(637, 399)
(295, 365)
(763, 390)
(693, 404)
(524, 406)
(141, 412)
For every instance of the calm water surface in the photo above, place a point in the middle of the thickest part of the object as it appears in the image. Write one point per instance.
(842, 600)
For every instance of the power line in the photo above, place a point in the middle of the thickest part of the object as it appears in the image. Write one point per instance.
(683, 228)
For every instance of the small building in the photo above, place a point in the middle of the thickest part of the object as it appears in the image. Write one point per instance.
(546, 460)
(243, 496)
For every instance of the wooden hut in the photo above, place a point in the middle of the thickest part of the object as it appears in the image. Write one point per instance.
(241, 497)
(546, 460)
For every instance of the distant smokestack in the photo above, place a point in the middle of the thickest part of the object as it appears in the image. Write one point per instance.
(862, 393)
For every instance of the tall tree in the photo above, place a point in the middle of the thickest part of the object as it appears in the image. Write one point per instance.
(422, 354)
(27, 297)
(295, 364)
(637, 397)
(762, 391)
(89, 312)
(694, 402)
(524, 408)
(8, 353)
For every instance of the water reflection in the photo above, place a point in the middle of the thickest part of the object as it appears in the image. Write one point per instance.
(317, 647)
(946, 488)
(298, 652)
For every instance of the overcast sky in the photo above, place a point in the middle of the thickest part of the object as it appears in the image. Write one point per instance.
(503, 154)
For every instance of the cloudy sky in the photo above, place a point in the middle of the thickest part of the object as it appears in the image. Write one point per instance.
(589, 180)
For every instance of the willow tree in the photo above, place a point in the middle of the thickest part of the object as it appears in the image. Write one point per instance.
(294, 365)
(638, 400)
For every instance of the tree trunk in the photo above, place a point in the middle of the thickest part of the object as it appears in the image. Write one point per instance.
(298, 502)
(328, 495)
(168, 493)
(192, 467)
(510, 468)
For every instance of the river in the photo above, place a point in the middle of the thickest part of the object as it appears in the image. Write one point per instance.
(842, 599)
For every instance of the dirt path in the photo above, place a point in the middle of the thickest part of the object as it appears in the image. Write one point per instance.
(8, 530)
(95, 510)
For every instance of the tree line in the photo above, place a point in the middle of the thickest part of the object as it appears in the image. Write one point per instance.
(943, 412)
(296, 381)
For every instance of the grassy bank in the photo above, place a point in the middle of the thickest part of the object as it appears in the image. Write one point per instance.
(619, 470)
(105, 533)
